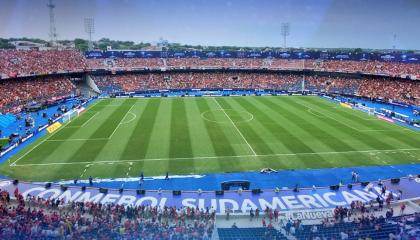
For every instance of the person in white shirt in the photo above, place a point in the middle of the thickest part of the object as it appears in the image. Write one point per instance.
(344, 236)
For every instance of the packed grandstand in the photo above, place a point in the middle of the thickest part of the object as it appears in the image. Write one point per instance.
(51, 71)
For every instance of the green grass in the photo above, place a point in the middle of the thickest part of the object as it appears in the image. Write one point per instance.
(4, 141)
(122, 137)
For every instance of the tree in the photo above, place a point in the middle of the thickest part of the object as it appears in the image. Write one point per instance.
(81, 44)
(4, 44)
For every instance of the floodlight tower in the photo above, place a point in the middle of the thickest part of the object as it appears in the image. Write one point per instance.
(53, 30)
(90, 29)
(394, 46)
(285, 31)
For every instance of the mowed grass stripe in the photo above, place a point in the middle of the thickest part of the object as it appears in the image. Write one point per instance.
(109, 126)
(220, 143)
(257, 122)
(53, 151)
(406, 138)
(46, 151)
(139, 141)
(82, 119)
(115, 146)
(272, 139)
(358, 117)
(294, 114)
(299, 123)
(201, 144)
(67, 133)
(285, 136)
(374, 143)
(333, 143)
(180, 141)
(293, 143)
(88, 151)
(253, 138)
(344, 115)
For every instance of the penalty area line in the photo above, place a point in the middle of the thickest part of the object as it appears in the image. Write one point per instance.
(48, 138)
(26, 153)
(84, 124)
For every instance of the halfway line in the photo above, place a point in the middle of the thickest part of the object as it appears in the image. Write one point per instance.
(237, 129)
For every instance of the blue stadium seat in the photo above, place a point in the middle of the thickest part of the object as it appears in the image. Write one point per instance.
(249, 234)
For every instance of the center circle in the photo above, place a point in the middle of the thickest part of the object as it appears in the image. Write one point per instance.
(219, 116)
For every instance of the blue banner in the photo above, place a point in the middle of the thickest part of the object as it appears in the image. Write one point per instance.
(237, 202)
(394, 57)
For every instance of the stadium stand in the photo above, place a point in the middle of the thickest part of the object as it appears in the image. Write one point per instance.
(36, 218)
(15, 93)
(364, 227)
(369, 67)
(14, 63)
(372, 67)
(250, 233)
(125, 63)
(403, 91)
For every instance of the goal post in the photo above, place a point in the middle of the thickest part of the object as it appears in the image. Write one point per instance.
(368, 110)
(70, 115)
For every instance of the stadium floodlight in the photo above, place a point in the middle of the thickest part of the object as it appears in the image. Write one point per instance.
(285, 31)
(90, 29)
(394, 45)
(53, 30)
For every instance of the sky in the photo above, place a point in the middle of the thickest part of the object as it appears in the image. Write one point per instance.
(253, 23)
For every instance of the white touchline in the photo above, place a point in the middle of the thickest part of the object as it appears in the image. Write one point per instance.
(125, 115)
(76, 139)
(122, 161)
(14, 163)
(223, 110)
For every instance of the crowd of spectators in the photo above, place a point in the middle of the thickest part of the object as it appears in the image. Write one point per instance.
(125, 63)
(16, 93)
(371, 67)
(36, 218)
(17, 63)
(359, 221)
(362, 225)
(14, 63)
(379, 88)
(133, 82)
(399, 91)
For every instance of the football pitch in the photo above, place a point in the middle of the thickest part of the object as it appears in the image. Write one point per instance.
(123, 137)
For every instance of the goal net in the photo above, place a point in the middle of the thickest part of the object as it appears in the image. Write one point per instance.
(368, 110)
(70, 115)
